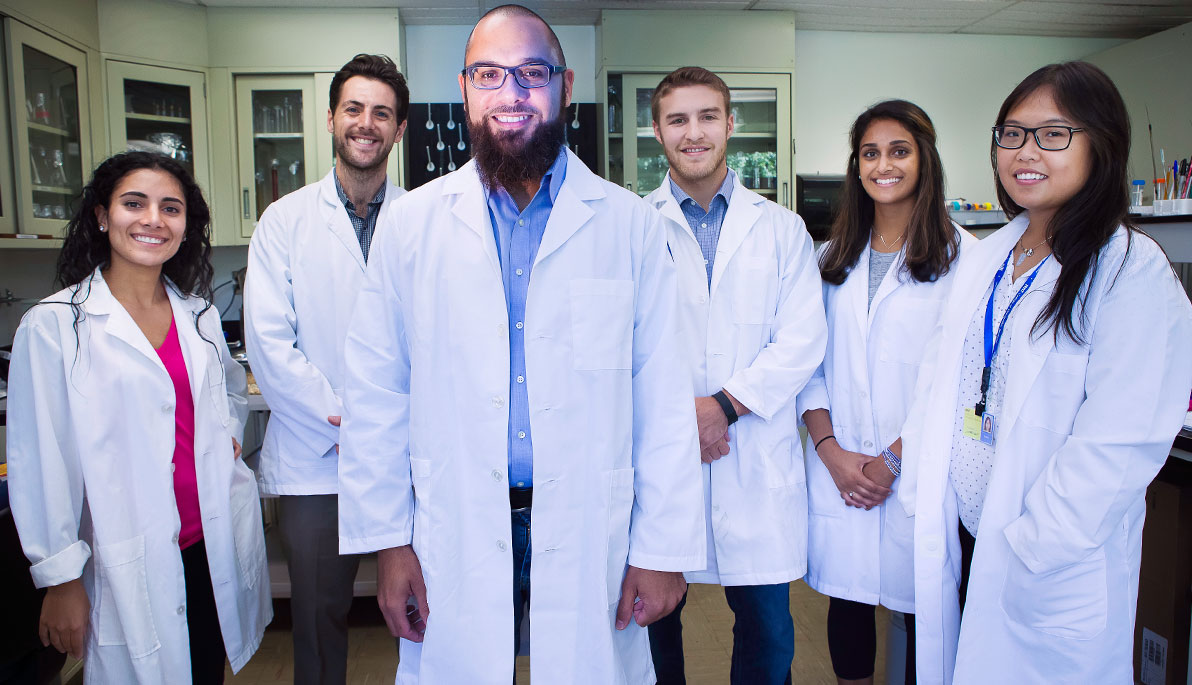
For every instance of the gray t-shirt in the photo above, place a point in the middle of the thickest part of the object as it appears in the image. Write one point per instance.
(879, 264)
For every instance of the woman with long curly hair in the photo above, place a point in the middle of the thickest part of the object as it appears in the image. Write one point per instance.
(124, 414)
(886, 269)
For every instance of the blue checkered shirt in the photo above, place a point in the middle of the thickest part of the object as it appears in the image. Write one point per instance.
(367, 224)
(706, 225)
(518, 235)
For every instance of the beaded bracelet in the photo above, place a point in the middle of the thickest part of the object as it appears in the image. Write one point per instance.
(892, 462)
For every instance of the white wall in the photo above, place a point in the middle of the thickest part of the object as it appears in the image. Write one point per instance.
(1155, 73)
(435, 54)
(959, 80)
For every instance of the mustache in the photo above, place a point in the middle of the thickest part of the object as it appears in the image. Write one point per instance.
(511, 109)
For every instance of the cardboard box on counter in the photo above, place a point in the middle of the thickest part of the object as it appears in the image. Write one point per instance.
(1161, 630)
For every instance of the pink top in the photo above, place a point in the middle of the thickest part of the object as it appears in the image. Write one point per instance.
(186, 486)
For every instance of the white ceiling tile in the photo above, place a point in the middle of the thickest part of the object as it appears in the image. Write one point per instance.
(1092, 18)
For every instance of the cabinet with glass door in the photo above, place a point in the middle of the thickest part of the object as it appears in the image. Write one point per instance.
(161, 110)
(759, 150)
(47, 83)
(276, 140)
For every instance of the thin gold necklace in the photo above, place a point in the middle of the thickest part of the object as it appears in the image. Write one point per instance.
(1024, 253)
(888, 245)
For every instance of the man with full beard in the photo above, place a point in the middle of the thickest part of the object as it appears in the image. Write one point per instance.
(305, 268)
(515, 350)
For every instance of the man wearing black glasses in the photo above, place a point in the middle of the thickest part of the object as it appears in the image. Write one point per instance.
(515, 351)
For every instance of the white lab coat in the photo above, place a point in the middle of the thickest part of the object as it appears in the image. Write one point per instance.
(759, 333)
(305, 269)
(867, 382)
(90, 455)
(616, 477)
(1083, 431)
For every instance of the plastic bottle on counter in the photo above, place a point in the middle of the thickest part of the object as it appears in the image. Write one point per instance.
(1136, 189)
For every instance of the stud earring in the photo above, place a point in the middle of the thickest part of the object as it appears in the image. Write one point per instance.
(102, 229)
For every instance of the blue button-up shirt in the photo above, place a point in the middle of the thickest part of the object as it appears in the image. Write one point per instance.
(518, 235)
(706, 225)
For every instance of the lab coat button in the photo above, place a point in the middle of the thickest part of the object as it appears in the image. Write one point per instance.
(703, 299)
(715, 507)
(498, 401)
(864, 395)
(497, 475)
(869, 443)
(931, 544)
(175, 538)
(172, 467)
(167, 408)
(181, 610)
(500, 329)
(501, 545)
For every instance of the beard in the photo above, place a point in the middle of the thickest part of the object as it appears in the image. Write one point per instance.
(514, 158)
(344, 154)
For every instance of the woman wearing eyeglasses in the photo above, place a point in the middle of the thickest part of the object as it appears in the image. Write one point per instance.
(1060, 382)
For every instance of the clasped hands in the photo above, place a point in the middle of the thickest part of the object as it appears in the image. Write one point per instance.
(863, 481)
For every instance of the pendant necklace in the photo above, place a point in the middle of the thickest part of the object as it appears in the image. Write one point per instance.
(1023, 254)
(888, 245)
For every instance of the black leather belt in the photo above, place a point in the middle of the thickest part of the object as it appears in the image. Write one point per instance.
(520, 498)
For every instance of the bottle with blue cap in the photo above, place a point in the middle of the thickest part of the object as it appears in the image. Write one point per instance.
(1136, 188)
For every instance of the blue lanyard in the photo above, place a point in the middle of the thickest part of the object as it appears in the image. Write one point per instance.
(993, 343)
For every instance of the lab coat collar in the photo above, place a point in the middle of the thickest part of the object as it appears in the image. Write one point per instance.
(744, 209)
(336, 215)
(1027, 348)
(569, 213)
(119, 324)
(890, 282)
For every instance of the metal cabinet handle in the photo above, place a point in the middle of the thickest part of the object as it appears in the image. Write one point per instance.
(785, 197)
(246, 213)
(629, 186)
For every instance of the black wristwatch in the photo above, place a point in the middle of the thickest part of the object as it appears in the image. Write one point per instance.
(726, 405)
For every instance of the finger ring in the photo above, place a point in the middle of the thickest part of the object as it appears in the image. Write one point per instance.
(852, 494)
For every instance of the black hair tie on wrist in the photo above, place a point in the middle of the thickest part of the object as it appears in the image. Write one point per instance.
(821, 441)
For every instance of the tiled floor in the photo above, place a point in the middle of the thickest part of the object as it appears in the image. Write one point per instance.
(707, 633)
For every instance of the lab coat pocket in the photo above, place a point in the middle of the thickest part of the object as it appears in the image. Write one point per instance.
(1057, 393)
(907, 324)
(601, 324)
(750, 297)
(248, 532)
(123, 614)
(619, 485)
(1070, 602)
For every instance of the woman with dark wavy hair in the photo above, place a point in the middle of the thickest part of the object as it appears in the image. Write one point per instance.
(886, 269)
(1062, 377)
(124, 414)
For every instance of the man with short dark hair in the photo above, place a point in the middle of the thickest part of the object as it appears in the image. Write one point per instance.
(305, 267)
(755, 332)
(514, 352)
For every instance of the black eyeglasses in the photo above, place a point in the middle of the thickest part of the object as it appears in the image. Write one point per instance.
(1050, 138)
(492, 76)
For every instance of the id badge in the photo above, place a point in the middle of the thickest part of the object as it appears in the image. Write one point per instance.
(988, 423)
(972, 424)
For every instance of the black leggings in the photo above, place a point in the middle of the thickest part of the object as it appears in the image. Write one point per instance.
(852, 640)
(207, 654)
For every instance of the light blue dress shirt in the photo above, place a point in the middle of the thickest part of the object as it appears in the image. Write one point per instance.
(706, 225)
(518, 235)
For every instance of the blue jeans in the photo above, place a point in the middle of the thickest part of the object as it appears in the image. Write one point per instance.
(520, 520)
(763, 637)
